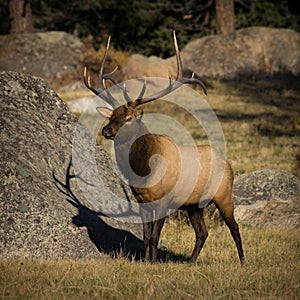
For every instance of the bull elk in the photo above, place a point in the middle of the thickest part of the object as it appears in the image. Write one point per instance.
(153, 181)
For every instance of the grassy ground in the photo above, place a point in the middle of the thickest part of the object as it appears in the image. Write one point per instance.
(271, 271)
(261, 125)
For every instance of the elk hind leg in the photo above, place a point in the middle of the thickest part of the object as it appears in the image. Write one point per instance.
(197, 221)
(226, 209)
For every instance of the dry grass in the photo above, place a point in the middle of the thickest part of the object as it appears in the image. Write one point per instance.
(271, 271)
(261, 127)
(74, 94)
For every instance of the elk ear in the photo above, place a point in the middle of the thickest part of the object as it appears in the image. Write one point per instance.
(104, 112)
(139, 113)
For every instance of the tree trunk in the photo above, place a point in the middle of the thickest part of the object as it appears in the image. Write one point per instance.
(224, 16)
(20, 16)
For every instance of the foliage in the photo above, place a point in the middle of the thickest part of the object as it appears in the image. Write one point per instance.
(145, 26)
(4, 17)
(266, 13)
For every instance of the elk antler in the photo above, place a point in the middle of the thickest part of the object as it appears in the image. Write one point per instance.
(173, 84)
(101, 91)
(106, 95)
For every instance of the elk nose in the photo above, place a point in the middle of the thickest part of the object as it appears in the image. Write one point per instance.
(106, 132)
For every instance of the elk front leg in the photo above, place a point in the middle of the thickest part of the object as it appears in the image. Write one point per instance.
(197, 221)
(147, 217)
(147, 232)
(157, 227)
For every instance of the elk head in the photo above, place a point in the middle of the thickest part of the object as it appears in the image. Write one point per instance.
(130, 114)
(123, 115)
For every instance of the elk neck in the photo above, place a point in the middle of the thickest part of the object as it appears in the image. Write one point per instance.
(125, 139)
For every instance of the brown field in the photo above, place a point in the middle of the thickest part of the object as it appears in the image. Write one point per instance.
(261, 124)
(271, 271)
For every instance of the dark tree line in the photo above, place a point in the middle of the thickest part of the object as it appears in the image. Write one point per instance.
(145, 25)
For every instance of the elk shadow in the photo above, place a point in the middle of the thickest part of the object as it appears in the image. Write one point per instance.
(107, 239)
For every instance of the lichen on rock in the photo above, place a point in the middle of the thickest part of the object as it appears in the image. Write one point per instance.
(37, 220)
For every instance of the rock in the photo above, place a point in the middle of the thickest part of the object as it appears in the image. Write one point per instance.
(247, 53)
(84, 105)
(267, 198)
(45, 210)
(54, 56)
(72, 87)
(138, 66)
(254, 51)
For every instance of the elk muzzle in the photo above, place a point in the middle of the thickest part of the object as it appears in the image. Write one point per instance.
(107, 132)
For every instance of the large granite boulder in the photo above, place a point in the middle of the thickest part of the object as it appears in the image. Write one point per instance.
(47, 211)
(267, 198)
(138, 66)
(246, 53)
(55, 56)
